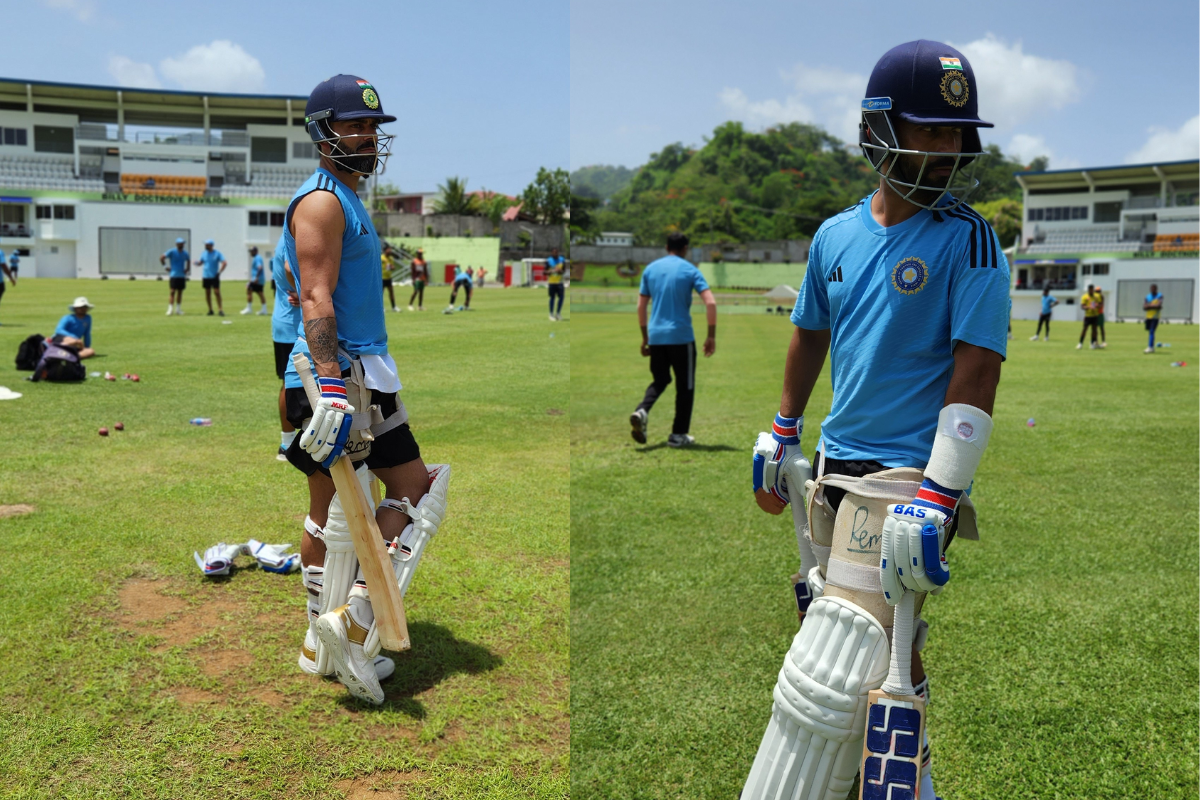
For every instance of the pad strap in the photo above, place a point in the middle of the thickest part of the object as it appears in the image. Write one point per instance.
(848, 575)
(313, 528)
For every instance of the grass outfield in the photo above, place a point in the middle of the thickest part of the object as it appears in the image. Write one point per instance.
(1062, 655)
(127, 673)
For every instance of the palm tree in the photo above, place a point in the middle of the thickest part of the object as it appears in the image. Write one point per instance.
(454, 198)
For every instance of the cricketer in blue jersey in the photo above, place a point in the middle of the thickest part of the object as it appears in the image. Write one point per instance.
(214, 264)
(179, 267)
(907, 295)
(255, 284)
(285, 328)
(74, 330)
(334, 253)
(464, 281)
(667, 337)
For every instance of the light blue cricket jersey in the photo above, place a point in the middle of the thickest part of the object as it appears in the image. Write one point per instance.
(2, 276)
(71, 325)
(896, 301)
(358, 295)
(460, 274)
(256, 270)
(178, 260)
(212, 262)
(669, 283)
(286, 318)
(1047, 303)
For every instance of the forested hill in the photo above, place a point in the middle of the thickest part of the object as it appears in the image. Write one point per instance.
(743, 186)
(600, 182)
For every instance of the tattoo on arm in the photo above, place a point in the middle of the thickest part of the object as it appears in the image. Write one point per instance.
(322, 339)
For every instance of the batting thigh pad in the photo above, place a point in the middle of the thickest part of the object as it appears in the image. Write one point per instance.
(813, 743)
(341, 566)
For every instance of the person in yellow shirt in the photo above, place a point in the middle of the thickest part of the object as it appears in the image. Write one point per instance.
(1152, 305)
(386, 266)
(1088, 303)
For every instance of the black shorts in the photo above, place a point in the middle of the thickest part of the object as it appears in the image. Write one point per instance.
(2, 284)
(254, 287)
(272, 284)
(858, 469)
(387, 283)
(464, 284)
(179, 284)
(392, 449)
(211, 283)
(1151, 324)
(283, 357)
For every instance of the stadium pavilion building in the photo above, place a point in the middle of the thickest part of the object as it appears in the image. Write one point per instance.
(1119, 228)
(98, 181)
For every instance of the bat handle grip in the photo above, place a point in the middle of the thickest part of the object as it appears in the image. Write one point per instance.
(899, 679)
(304, 370)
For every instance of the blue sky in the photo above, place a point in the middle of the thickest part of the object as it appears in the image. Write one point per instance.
(1085, 83)
(481, 88)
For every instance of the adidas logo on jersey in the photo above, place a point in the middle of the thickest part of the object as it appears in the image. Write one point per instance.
(362, 229)
(836, 275)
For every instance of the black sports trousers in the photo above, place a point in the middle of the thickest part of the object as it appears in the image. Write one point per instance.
(682, 359)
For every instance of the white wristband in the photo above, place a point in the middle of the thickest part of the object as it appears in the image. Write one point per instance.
(962, 436)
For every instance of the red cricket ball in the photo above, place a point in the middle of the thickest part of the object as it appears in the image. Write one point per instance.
(104, 431)
(120, 426)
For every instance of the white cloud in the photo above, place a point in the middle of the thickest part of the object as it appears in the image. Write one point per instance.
(128, 72)
(829, 98)
(1165, 144)
(84, 10)
(1026, 147)
(218, 67)
(1015, 85)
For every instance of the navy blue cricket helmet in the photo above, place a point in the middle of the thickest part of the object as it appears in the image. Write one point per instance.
(345, 97)
(925, 83)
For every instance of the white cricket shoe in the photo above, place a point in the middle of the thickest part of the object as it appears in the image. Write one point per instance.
(1079, 346)
(384, 666)
(262, 312)
(448, 310)
(1149, 350)
(552, 319)
(680, 440)
(1033, 338)
(638, 420)
(410, 308)
(1103, 345)
(397, 310)
(247, 310)
(170, 310)
(179, 312)
(1095, 346)
(344, 638)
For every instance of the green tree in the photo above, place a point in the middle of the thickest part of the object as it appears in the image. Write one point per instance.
(1005, 217)
(493, 205)
(600, 181)
(454, 199)
(583, 218)
(548, 198)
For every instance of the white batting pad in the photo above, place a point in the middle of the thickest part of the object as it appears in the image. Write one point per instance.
(813, 743)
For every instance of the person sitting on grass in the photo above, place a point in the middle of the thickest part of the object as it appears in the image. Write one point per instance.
(74, 330)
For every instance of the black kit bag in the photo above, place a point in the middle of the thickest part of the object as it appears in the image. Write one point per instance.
(30, 352)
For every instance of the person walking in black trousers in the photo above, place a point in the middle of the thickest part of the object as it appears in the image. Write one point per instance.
(668, 339)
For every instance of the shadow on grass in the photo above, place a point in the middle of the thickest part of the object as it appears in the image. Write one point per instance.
(703, 448)
(436, 655)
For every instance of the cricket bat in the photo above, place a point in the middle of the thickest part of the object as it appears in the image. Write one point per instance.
(373, 557)
(891, 763)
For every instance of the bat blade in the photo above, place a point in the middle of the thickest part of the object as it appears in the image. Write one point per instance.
(891, 765)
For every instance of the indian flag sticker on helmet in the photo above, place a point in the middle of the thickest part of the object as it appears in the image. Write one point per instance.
(950, 63)
(910, 275)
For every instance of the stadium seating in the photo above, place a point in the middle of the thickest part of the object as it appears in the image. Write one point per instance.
(160, 185)
(269, 181)
(44, 172)
(1177, 243)
(1081, 240)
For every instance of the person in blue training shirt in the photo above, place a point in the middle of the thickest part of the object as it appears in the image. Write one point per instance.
(4, 270)
(907, 295)
(214, 264)
(1048, 303)
(256, 283)
(74, 330)
(285, 328)
(668, 340)
(179, 269)
(462, 280)
(14, 262)
(334, 251)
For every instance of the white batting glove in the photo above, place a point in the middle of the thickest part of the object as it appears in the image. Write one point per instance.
(911, 551)
(327, 432)
(272, 557)
(776, 456)
(217, 559)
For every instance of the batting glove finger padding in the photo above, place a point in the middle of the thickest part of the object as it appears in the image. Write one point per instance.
(329, 427)
(777, 457)
(218, 559)
(907, 555)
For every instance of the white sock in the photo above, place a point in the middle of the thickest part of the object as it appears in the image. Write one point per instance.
(360, 607)
(264, 306)
(286, 438)
(170, 307)
(177, 306)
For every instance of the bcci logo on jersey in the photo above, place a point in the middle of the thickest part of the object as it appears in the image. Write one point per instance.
(910, 275)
